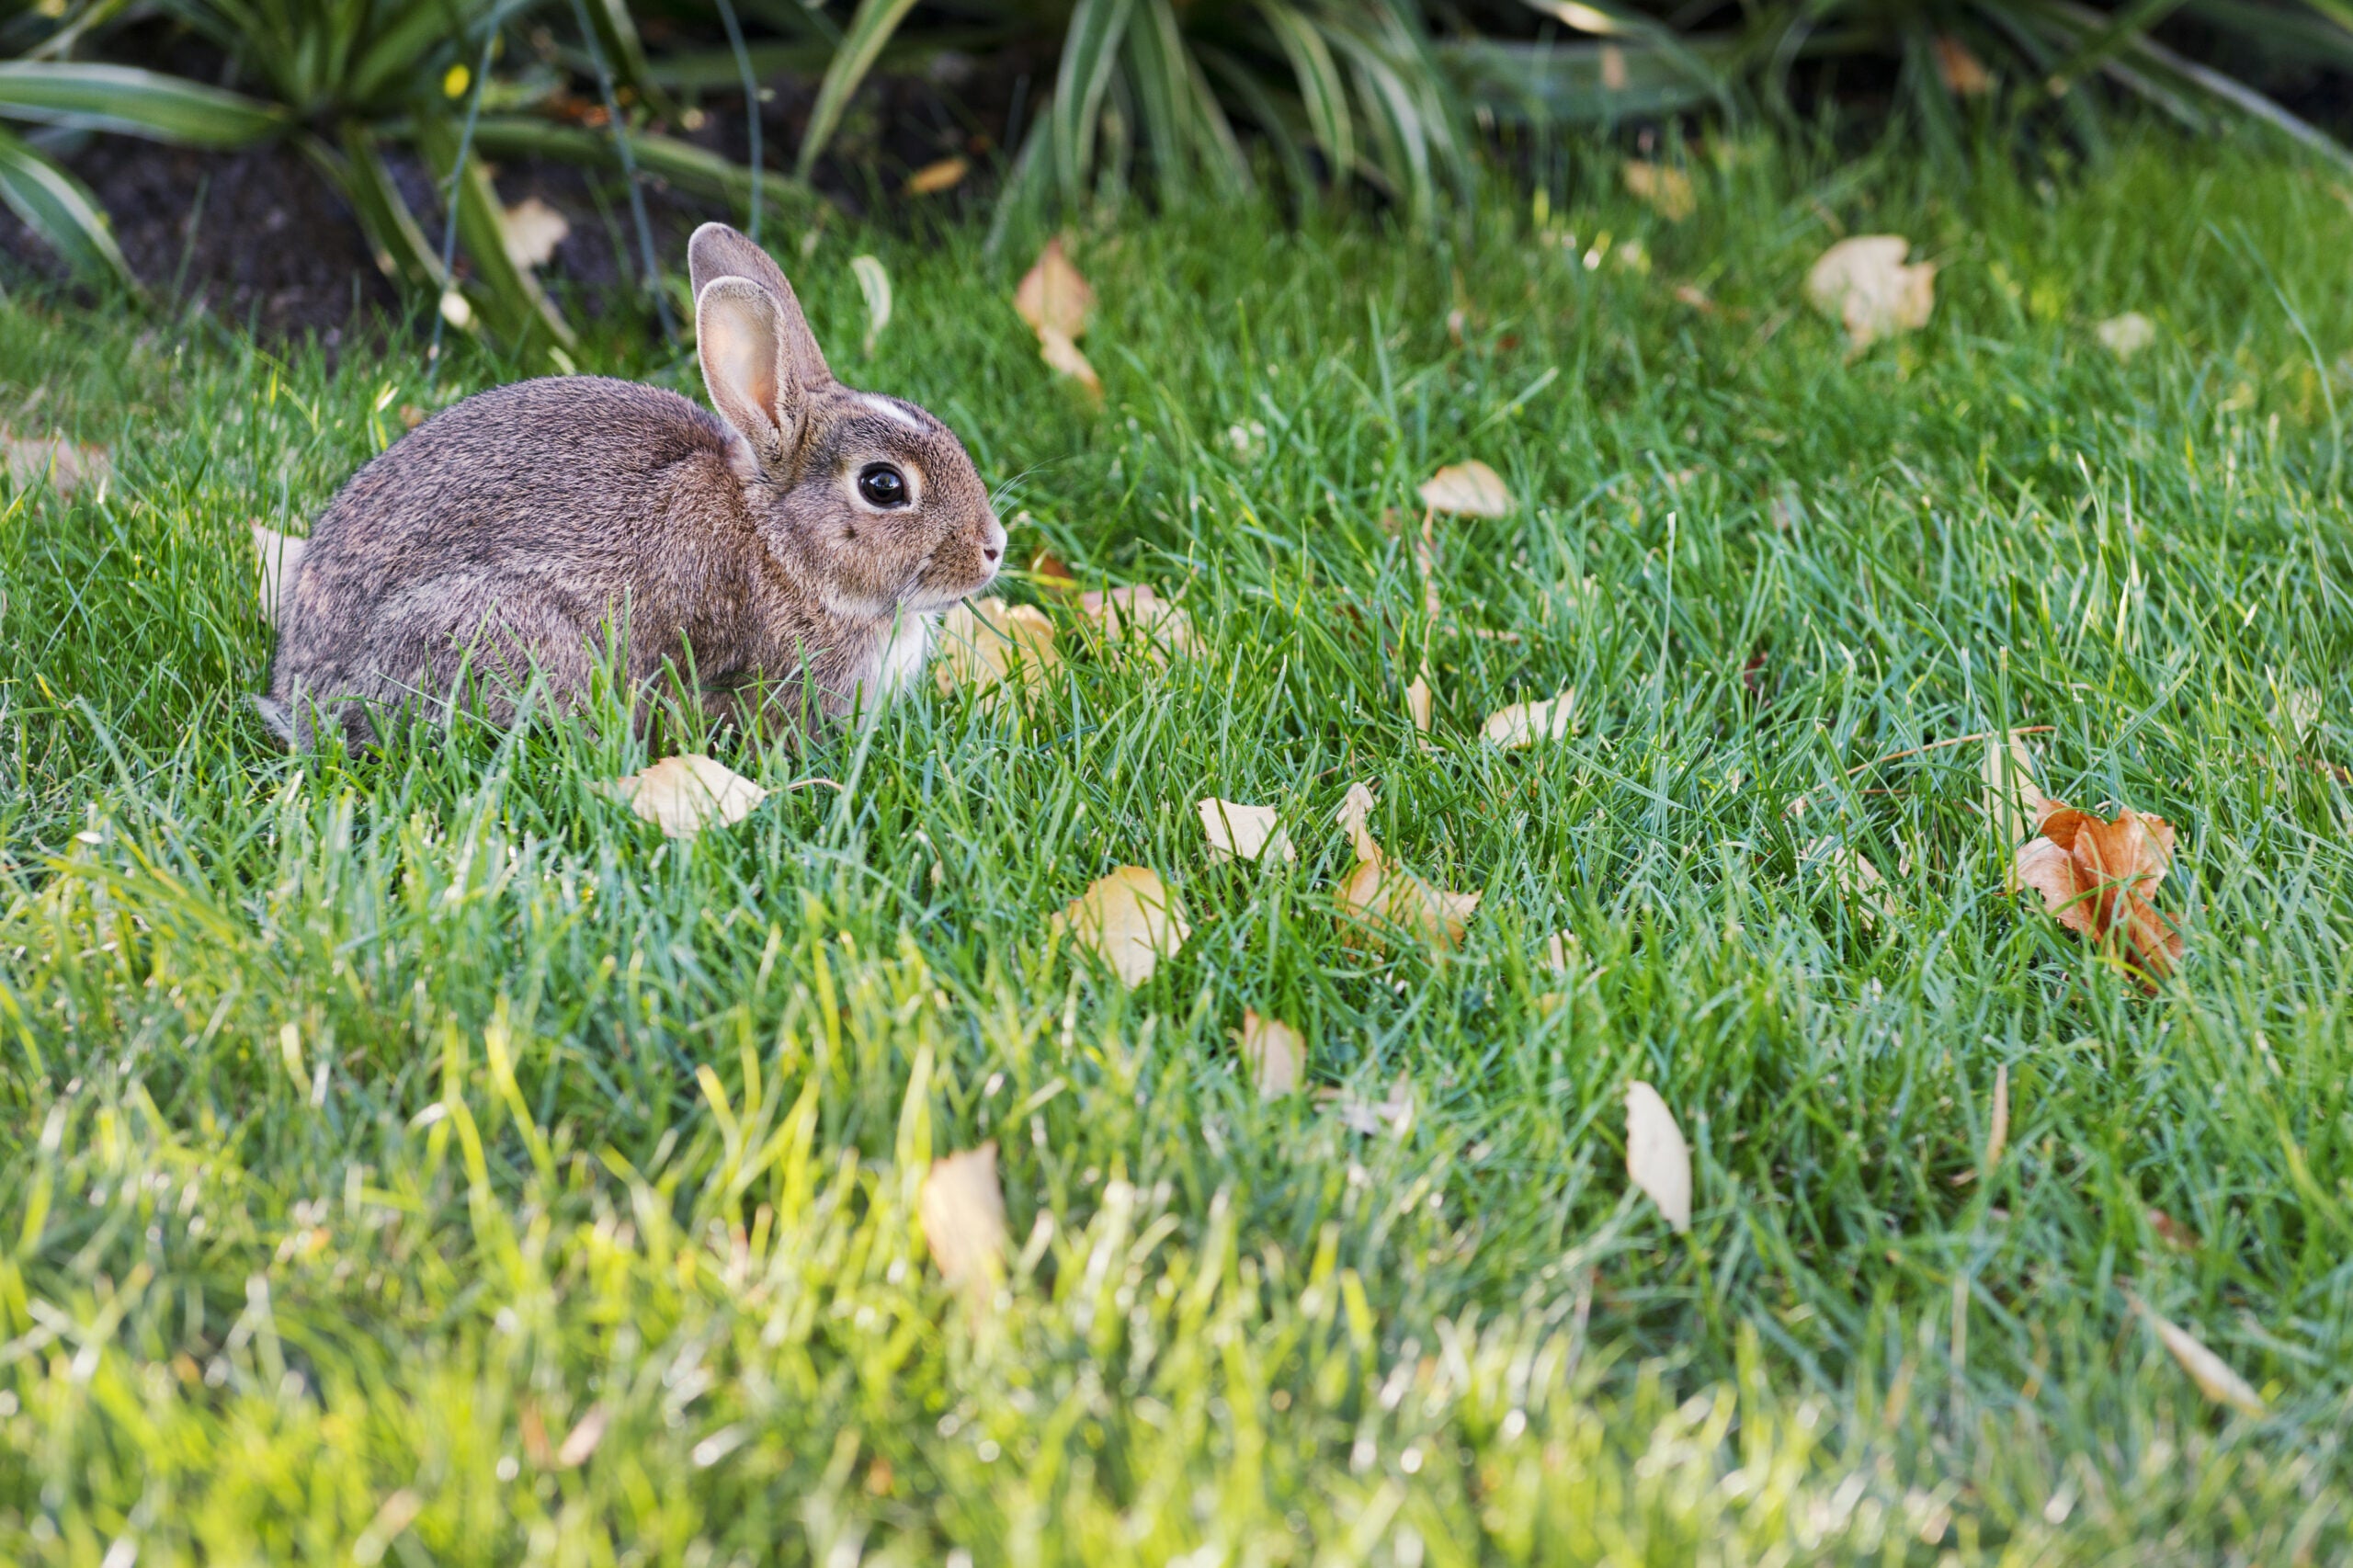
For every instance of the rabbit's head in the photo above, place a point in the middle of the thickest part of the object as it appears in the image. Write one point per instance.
(869, 500)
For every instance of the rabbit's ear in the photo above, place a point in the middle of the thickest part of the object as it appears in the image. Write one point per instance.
(739, 338)
(716, 252)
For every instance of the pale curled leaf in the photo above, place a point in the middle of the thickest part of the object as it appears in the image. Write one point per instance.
(994, 648)
(2214, 1377)
(1275, 1053)
(1525, 723)
(2127, 334)
(1354, 813)
(279, 559)
(683, 795)
(65, 465)
(961, 1207)
(947, 174)
(1666, 188)
(582, 1440)
(1466, 489)
(1381, 897)
(1863, 284)
(1657, 1160)
(530, 231)
(1997, 1133)
(1052, 296)
(1064, 358)
(1129, 919)
(1237, 832)
(1136, 619)
(1419, 702)
(874, 283)
(2013, 801)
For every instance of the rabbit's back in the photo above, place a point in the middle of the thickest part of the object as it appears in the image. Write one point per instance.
(556, 502)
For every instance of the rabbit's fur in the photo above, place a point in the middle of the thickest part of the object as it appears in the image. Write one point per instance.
(534, 526)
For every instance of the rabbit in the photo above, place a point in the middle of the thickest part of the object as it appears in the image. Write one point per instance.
(798, 545)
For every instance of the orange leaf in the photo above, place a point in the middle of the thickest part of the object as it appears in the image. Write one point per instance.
(2095, 876)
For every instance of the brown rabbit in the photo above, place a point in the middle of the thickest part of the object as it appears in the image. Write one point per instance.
(800, 543)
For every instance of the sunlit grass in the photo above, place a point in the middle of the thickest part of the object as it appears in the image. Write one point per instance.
(364, 1196)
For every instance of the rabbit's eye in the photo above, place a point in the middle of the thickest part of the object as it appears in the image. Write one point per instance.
(883, 485)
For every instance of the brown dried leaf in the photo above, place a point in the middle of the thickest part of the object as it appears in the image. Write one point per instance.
(1237, 832)
(1052, 297)
(1963, 74)
(1466, 489)
(1657, 1160)
(1356, 810)
(2096, 877)
(1050, 577)
(280, 559)
(994, 647)
(933, 178)
(683, 795)
(961, 1206)
(1667, 189)
(1063, 357)
(1127, 919)
(1863, 284)
(1418, 703)
(1275, 1053)
(2212, 1375)
(1137, 615)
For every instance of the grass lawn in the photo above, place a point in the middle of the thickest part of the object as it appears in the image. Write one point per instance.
(416, 1158)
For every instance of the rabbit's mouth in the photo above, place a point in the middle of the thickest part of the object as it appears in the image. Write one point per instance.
(922, 593)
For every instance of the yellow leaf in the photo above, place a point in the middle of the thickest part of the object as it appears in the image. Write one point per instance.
(2212, 1375)
(1377, 894)
(1139, 617)
(1666, 189)
(683, 795)
(994, 647)
(1129, 920)
(1417, 702)
(1466, 489)
(1243, 833)
(933, 178)
(1525, 723)
(961, 1206)
(280, 560)
(1657, 1160)
(1275, 1053)
(1052, 297)
(1863, 284)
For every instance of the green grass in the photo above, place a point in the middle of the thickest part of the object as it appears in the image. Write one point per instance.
(356, 1138)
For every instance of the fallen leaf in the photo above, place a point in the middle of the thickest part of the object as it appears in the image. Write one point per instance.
(531, 229)
(1525, 723)
(1854, 875)
(1052, 297)
(1275, 1053)
(1372, 1118)
(1692, 294)
(1136, 615)
(2295, 709)
(1377, 894)
(67, 465)
(683, 795)
(2212, 1375)
(1657, 1160)
(1418, 703)
(1667, 189)
(1963, 74)
(994, 647)
(2127, 334)
(280, 557)
(2172, 1231)
(874, 282)
(1237, 832)
(582, 1440)
(961, 1207)
(2013, 801)
(1863, 284)
(1064, 358)
(411, 416)
(1997, 1134)
(933, 178)
(1129, 920)
(1562, 951)
(1466, 489)
(2096, 877)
